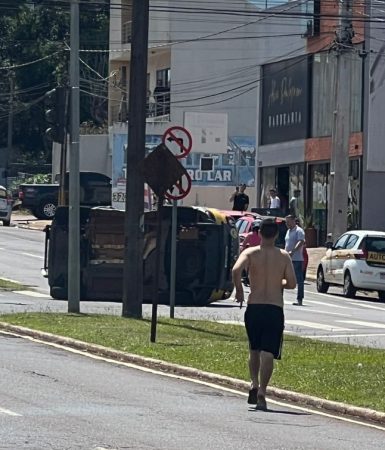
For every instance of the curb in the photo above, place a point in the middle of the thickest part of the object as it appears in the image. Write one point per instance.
(281, 394)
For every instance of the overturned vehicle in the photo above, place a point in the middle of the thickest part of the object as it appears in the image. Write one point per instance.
(207, 247)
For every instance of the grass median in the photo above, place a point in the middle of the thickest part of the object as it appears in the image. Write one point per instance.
(355, 375)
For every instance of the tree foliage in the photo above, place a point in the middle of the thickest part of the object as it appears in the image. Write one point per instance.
(35, 38)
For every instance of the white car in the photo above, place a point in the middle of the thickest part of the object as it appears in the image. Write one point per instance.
(356, 261)
(5, 206)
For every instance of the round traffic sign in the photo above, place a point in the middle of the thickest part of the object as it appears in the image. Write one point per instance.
(178, 140)
(180, 189)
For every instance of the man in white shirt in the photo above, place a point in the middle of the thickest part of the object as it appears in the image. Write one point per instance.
(274, 202)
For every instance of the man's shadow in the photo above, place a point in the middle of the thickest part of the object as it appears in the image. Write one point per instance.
(278, 411)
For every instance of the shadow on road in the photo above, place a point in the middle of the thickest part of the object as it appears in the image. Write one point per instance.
(280, 411)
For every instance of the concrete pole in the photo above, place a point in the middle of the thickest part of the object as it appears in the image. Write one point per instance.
(10, 126)
(339, 166)
(134, 219)
(74, 177)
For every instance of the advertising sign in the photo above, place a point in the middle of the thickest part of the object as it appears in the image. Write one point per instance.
(285, 100)
(237, 166)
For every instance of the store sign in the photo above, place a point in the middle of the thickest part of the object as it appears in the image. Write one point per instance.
(285, 100)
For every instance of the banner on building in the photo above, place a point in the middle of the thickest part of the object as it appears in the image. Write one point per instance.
(285, 100)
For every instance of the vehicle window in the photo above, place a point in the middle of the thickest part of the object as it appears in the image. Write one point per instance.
(243, 226)
(374, 244)
(3, 193)
(341, 242)
(351, 242)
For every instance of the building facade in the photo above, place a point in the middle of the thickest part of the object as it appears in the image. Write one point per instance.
(271, 70)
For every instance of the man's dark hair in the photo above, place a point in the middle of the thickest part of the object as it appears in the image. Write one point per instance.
(290, 216)
(268, 228)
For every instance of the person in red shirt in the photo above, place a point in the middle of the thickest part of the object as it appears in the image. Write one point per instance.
(253, 238)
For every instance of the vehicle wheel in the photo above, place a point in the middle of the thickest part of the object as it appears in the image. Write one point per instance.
(6, 223)
(58, 293)
(322, 286)
(46, 209)
(349, 289)
(381, 296)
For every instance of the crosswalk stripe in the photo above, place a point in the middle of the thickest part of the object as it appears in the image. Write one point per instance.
(364, 324)
(8, 412)
(316, 325)
(33, 294)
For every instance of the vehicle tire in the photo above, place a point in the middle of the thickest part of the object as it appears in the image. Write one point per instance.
(349, 289)
(46, 209)
(381, 296)
(6, 223)
(58, 293)
(322, 286)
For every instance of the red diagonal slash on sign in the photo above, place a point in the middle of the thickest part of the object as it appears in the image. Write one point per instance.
(179, 136)
(180, 189)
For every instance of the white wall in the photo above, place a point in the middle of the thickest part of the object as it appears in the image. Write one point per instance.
(94, 155)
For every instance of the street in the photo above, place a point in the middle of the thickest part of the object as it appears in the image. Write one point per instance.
(53, 398)
(323, 316)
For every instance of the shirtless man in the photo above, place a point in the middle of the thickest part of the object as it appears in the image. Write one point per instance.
(270, 271)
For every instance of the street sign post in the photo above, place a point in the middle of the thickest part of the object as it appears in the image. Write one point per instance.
(173, 176)
(179, 141)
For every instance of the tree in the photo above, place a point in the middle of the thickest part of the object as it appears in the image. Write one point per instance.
(35, 41)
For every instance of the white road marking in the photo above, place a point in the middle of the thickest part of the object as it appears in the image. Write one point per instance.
(363, 305)
(364, 324)
(33, 256)
(10, 280)
(230, 322)
(9, 412)
(32, 294)
(323, 336)
(316, 325)
(316, 302)
(195, 381)
(325, 312)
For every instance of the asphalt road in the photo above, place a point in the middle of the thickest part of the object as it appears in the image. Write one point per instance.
(56, 399)
(323, 316)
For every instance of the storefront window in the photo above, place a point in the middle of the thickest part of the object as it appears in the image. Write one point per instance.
(267, 183)
(296, 191)
(354, 195)
(319, 191)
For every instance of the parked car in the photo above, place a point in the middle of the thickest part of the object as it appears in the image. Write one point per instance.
(356, 262)
(5, 206)
(42, 199)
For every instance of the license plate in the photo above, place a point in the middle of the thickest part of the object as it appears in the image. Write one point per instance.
(376, 257)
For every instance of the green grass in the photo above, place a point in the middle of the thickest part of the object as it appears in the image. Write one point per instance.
(338, 372)
(11, 285)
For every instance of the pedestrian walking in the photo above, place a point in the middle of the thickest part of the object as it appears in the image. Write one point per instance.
(294, 242)
(270, 271)
(240, 199)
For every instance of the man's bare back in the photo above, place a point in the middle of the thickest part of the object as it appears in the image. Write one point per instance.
(269, 269)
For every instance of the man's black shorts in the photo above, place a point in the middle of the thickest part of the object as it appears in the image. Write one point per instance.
(264, 326)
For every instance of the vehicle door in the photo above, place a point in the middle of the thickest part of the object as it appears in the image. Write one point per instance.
(342, 256)
(336, 258)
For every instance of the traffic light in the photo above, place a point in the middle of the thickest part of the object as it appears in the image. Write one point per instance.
(56, 114)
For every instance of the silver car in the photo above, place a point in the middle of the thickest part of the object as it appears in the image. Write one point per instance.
(5, 206)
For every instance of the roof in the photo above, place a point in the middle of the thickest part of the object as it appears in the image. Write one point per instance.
(362, 233)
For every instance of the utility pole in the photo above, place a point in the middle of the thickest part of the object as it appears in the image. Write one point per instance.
(74, 177)
(134, 218)
(339, 167)
(10, 125)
